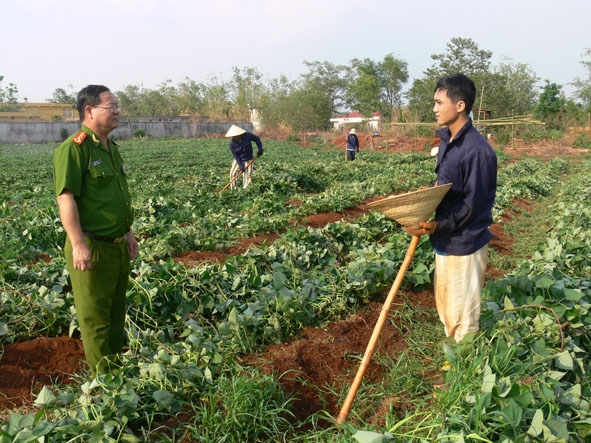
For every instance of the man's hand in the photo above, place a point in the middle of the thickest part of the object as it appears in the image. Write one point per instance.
(259, 154)
(82, 256)
(423, 229)
(132, 245)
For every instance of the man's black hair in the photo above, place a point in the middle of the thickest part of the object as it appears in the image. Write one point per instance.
(458, 88)
(89, 96)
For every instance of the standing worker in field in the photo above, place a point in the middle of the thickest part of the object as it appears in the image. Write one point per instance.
(460, 231)
(352, 144)
(95, 210)
(241, 147)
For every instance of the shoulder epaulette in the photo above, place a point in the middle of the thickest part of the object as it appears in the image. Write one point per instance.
(79, 138)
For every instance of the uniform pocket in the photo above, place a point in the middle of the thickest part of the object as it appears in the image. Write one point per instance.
(101, 178)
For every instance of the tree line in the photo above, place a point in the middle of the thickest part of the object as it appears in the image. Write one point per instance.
(327, 90)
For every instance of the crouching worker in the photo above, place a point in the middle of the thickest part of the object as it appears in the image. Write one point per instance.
(242, 150)
(95, 210)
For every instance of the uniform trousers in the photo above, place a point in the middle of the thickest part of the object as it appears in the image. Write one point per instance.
(99, 298)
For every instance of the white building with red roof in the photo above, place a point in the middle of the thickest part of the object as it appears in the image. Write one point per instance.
(354, 118)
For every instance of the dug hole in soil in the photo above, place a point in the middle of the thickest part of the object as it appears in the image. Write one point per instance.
(317, 358)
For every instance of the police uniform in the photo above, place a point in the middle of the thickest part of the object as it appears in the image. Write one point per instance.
(96, 177)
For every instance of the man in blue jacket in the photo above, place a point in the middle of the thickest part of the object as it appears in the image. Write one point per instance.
(241, 147)
(352, 144)
(460, 233)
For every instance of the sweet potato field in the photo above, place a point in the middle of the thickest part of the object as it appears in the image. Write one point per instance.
(226, 283)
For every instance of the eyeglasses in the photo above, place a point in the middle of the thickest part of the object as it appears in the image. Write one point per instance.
(111, 107)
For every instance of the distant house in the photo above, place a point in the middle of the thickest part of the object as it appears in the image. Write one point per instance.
(353, 118)
(40, 112)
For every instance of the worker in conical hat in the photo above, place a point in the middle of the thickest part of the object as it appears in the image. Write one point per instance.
(242, 150)
(352, 144)
(234, 131)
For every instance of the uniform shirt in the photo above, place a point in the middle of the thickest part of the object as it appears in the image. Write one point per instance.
(464, 215)
(242, 150)
(97, 178)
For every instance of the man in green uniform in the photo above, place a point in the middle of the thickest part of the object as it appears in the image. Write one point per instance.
(95, 210)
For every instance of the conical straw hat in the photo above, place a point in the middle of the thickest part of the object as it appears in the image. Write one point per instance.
(413, 207)
(234, 131)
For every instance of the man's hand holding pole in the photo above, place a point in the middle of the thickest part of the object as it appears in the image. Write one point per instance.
(423, 229)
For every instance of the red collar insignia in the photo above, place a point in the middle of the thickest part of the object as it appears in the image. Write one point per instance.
(79, 138)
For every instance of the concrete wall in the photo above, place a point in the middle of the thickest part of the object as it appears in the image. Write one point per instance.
(46, 132)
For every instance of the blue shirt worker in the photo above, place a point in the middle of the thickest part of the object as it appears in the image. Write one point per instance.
(95, 209)
(460, 233)
(352, 144)
(242, 150)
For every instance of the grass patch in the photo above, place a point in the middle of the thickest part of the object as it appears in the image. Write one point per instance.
(529, 228)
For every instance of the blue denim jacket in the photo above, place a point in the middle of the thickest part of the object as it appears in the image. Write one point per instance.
(464, 215)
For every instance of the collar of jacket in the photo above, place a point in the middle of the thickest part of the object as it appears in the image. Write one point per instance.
(445, 135)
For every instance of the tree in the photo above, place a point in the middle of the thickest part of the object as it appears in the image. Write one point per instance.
(61, 96)
(309, 109)
(377, 86)
(462, 56)
(394, 74)
(583, 85)
(551, 105)
(507, 89)
(275, 106)
(246, 90)
(217, 103)
(165, 101)
(511, 89)
(9, 97)
(190, 97)
(420, 99)
(331, 79)
(137, 100)
(363, 91)
(130, 100)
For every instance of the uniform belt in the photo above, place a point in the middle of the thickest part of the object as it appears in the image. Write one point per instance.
(103, 238)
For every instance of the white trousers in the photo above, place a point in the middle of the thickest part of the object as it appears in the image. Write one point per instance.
(458, 285)
(246, 175)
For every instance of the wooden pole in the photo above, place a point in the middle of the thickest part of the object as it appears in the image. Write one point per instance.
(512, 131)
(346, 156)
(377, 330)
(480, 105)
(237, 175)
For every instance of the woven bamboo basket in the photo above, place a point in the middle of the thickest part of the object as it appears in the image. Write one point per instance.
(413, 207)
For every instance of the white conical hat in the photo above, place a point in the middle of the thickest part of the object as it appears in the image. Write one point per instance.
(234, 131)
(352, 131)
(413, 207)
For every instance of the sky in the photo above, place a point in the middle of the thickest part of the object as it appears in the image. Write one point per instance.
(68, 44)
